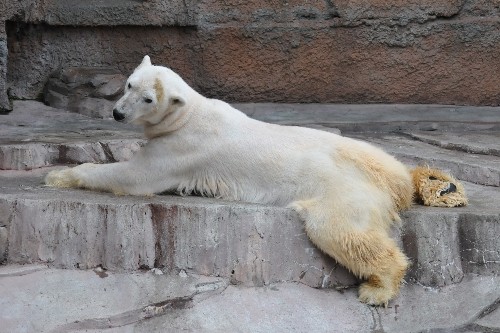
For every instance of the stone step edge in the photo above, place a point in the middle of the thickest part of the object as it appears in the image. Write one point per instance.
(465, 245)
(30, 156)
(461, 165)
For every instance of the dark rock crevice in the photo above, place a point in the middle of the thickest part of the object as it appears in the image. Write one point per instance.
(129, 317)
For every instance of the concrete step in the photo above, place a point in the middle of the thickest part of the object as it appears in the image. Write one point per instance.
(40, 299)
(477, 168)
(247, 243)
(250, 244)
(379, 117)
(485, 143)
(34, 135)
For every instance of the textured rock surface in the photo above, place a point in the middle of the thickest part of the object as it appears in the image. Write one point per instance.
(4, 239)
(96, 12)
(88, 91)
(431, 241)
(108, 302)
(318, 51)
(58, 137)
(68, 300)
(61, 137)
(485, 143)
(446, 244)
(292, 308)
(384, 118)
(480, 169)
(4, 99)
(249, 244)
(491, 319)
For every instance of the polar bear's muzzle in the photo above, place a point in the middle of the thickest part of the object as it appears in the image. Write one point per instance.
(117, 115)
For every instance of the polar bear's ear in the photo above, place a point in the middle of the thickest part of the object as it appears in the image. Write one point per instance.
(177, 100)
(146, 61)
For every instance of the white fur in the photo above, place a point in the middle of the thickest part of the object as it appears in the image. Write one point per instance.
(205, 146)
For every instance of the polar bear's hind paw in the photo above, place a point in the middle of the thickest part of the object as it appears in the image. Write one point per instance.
(375, 295)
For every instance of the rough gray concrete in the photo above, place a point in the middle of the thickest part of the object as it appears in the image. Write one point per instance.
(59, 137)
(69, 300)
(35, 155)
(379, 117)
(4, 239)
(431, 241)
(291, 308)
(5, 104)
(106, 302)
(250, 244)
(491, 318)
(477, 168)
(472, 142)
(480, 246)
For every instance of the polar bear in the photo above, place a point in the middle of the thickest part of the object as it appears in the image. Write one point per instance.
(348, 192)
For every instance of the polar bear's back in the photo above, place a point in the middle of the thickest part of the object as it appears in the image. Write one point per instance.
(325, 158)
(268, 163)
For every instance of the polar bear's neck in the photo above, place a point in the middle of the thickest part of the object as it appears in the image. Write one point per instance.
(172, 122)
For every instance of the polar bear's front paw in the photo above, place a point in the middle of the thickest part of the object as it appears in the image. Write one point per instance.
(62, 178)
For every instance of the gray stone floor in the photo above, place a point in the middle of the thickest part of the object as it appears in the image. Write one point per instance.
(271, 279)
(40, 299)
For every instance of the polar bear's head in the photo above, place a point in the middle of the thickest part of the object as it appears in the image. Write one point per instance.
(154, 95)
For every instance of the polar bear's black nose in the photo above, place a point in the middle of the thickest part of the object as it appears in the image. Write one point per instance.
(450, 189)
(117, 115)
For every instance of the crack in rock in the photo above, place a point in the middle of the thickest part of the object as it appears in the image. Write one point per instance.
(202, 291)
(129, 317)
(471, 326)
(489, 309)
(377, 320)
(23, 271)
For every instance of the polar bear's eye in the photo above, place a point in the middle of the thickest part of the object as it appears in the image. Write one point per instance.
(129, 86)
(148, 100)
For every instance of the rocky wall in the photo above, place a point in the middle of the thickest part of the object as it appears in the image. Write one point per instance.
(379, 51)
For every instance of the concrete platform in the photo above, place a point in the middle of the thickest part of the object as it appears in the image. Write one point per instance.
(248, 243)
(251, 244)
(478, 168)
(252, 248)
(109, 302)
(35, 136)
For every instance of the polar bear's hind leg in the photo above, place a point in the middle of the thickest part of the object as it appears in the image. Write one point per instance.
(368, 252)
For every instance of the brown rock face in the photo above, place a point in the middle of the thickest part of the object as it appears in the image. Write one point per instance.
(389, 51)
